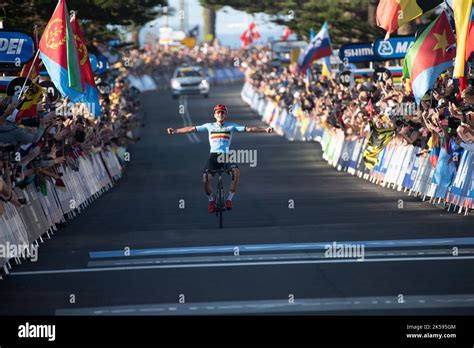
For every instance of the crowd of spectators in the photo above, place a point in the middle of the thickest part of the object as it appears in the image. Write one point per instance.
(161, 61)
(445, 116)
(35, 148)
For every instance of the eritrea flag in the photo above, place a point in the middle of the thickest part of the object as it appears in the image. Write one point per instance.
(431, 54)
(59, 55)
(392, 14)
(90, 97)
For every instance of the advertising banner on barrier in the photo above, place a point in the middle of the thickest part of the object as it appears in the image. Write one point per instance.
(402, 165)
(47, 205)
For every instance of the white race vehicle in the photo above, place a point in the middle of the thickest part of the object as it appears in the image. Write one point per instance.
(189, 80)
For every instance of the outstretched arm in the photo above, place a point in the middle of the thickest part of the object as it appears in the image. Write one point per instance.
(183, 130)
(259, 130)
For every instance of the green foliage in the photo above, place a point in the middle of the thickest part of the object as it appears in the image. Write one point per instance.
(24, 14)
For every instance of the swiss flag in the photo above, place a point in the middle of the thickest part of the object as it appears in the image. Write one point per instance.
(286, 33)
(249, 35)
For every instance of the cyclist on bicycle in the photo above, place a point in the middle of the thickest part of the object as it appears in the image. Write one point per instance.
(220, 137)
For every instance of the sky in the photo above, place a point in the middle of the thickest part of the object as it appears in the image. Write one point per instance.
(229, 24)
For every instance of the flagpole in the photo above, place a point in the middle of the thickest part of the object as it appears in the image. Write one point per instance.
(29, 73)
(36, 36)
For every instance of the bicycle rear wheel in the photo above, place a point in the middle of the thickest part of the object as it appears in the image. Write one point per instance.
(221, 202)
(220, 217)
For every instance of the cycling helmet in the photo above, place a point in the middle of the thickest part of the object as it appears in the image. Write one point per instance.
(220, 107)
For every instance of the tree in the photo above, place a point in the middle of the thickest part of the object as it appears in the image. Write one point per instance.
(209, 23)
(24, 14)
(372, 12)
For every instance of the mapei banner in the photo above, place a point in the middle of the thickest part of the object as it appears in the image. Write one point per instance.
(16, 48)
(395, 47)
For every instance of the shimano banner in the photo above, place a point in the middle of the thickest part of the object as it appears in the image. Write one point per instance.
(356, 53)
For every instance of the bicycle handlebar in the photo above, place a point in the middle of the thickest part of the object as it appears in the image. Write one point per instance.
(220, 171)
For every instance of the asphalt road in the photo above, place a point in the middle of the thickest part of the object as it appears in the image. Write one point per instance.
(149, 246)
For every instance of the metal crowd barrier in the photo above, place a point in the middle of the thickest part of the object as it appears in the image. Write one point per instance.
(143, 83)
(400, 166)
(27, 225)
(224, 75)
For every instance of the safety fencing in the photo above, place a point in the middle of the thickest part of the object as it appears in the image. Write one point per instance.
(143, 83)
(49, 205)
(220, 76)
(400, 166)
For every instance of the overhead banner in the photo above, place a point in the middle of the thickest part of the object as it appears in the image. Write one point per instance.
(102, 64)
(94, 62)
(357, 53)
(16, 48)
(394, 48)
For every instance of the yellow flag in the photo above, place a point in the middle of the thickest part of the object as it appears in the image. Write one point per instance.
(295, 54)
(31, 97)
(325, 71)
(462, 14)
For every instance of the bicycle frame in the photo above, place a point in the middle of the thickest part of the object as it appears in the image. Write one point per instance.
(219, 196)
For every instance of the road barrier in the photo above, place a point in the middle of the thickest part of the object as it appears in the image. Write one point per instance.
(143, 83)
(400, 166)
(224, 75)
(93, 175)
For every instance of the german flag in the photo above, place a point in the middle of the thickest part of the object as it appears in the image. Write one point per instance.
(220, 135)
(392, 14)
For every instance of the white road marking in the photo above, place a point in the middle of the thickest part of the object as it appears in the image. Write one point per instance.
(281, 306)
(243, 264)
